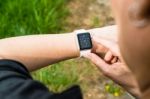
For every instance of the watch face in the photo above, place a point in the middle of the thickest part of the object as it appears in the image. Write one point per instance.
(84, 41)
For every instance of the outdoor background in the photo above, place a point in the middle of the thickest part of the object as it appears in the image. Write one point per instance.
(24, 17)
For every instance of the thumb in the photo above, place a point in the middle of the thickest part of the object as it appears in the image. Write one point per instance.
(112, 45)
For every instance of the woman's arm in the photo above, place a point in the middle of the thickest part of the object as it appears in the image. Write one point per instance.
(37, 51)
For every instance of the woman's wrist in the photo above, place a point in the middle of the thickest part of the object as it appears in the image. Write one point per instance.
(73, 44)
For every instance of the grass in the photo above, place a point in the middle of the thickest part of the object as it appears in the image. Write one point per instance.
(23, 17)
(60, 76)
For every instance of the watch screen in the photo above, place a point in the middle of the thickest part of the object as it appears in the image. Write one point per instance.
(84, 41)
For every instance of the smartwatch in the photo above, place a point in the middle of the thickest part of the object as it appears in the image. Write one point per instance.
(84, 41)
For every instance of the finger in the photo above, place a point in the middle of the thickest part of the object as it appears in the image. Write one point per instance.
(110, 44)
(109, 56)
(100, 63)
(99, 49)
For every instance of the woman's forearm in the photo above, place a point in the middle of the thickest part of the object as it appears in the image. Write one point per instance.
(37, 51)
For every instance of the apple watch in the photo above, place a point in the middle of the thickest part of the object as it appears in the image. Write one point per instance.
(84, 41)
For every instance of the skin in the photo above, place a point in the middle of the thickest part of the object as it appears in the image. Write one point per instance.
(38, 51)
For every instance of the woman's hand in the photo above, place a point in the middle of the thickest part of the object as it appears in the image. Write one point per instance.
(112, 65)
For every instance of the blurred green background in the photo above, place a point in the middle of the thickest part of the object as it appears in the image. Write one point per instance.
(25, 17)
(22, 17)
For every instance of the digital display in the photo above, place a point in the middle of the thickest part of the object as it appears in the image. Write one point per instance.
(84, 41)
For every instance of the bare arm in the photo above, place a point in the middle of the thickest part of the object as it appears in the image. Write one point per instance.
(37, 51)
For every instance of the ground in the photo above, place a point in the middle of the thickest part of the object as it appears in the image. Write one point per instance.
(89, 14)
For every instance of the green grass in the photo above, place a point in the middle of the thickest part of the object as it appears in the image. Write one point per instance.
(23, 17)
(60, 76)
